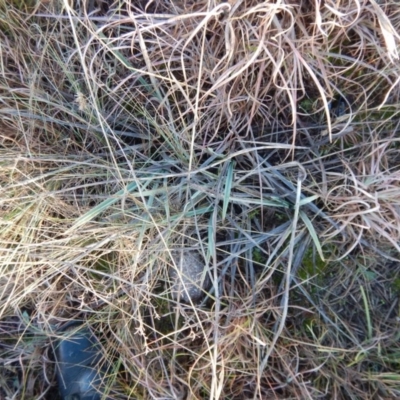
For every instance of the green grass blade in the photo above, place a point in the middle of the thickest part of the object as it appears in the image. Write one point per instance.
(308, 200)
(258, 201)
(95, 211)
(367, 313)
(313, 234)
(211, 232)
(228, 188)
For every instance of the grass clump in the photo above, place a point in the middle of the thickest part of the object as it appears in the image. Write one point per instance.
(262, 136)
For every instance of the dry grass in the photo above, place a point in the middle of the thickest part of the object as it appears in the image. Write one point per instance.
(263, 136)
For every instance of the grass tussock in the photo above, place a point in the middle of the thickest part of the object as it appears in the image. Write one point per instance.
(263, 136)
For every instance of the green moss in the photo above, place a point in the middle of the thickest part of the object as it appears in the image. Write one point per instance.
(396, 285)
(258, 256)
(312, 265)
(307, 106)
(254, 214)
